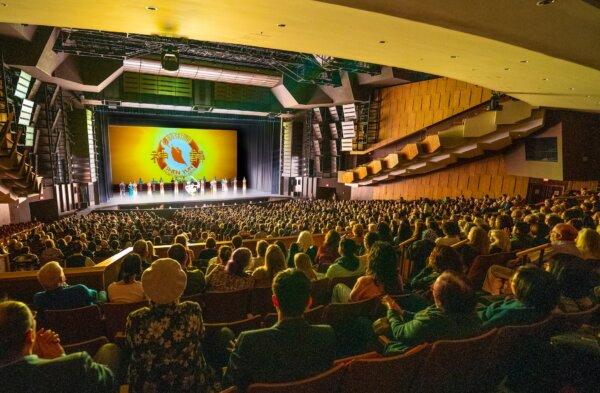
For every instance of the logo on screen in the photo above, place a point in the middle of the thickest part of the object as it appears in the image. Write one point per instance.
(178, 155)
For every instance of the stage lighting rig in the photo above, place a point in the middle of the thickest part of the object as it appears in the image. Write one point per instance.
(169, 58)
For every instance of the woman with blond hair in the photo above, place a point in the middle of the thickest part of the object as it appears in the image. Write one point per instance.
(274, 263)
(183, 240)
(588, 242)
(50, 253)
(305, 240)
(302, 262)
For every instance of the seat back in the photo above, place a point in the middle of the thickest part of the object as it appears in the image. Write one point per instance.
(481, 264)
(573, 321)
(336, 314)
(222, 307)
(75, 325)
(347, 281)
(261, 301)
(115, 316)
(312, 316)
(321, 292)
(326, 382)
(90, 346)
(386, 375)
(458, 365)
(237, 327)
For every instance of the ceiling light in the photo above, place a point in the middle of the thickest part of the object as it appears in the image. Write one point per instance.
(588, 96)
(151, 8)
(571, 88)
(453, 56)
(544, 2)
(524, 61)
(281, 25)
(382, 42)
(545, 79)
(2, 4)
(507, 69)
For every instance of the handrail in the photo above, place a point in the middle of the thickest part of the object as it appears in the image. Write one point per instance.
(460, 243)
(531, 250)
(407, 242)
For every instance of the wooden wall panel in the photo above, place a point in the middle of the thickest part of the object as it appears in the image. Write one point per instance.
(406, 109)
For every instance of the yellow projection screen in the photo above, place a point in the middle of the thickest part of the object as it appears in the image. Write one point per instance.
(171, 153)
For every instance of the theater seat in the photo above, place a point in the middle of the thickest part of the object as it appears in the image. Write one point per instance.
(75, 325)
(459, 365)
(237, 327)
(573, 321)
(261, 301)
(312, 316)
(336, 314)
(482, 263)
(321, 292)
(115, 316)
(90, 346)
(326, 382)
(222, 307)
(386, 375)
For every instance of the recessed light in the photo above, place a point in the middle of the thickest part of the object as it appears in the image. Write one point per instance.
(588, 96)
(545, 79)
(281, 25)
(544, 2)
(2, 4)
(151, 8)
(524, 61)
(382, 41)
(473, 69)
(453, 56)
(571, 88)
(507, 69)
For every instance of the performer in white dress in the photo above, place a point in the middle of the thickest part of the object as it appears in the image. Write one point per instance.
(161, 185)
(135, 189)
(234, 181)
(149, 192)
(176, 187)
(213, 186)
(244, 185)
(202, 186)
(121, 189)
(224, 185)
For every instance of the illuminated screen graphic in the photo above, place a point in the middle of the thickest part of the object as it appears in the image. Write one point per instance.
(171, 153)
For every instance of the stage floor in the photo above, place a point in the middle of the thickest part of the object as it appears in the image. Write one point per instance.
(171, 201)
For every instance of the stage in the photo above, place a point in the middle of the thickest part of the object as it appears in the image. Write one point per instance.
(184, 200)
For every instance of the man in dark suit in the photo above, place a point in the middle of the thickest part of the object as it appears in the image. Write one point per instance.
(290, 350)
(33, 361)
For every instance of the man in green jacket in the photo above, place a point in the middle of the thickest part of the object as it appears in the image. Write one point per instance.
(33, 361)
(451, 317)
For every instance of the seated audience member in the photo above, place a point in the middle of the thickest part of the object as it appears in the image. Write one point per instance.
(303, 263)
(576, 285)
(418, 252)
(368, 240)
(305, 240)
(26, 260)
(57, 295)
(385, 232)
(196, 282)
(442, 258)
(562, 239)
(236, 242)
(433, 230)
(478, 244)
(348, 264)
(451, 232)
(183, 240)
(451, 317)
(328, 252)
(294, 249)
(221, 259)
(358, 235)
(261, 249)
(104, 252)
(140, 247)
(274, 263)
(540, 233)
(499, 241)
(535, 296)
(77, 259)
(115, 246)
(34, 361)
(279, 243)
(164, 340)
(520, 240)
(128, 289)
(290, 350)
(233, 276)
(50, 253)
(588, 243)
(381, 277)
(209, 251)
(151, 252)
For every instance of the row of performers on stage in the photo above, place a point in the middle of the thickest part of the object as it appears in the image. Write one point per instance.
(191, 186)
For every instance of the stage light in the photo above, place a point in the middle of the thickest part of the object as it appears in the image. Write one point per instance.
(170, 59)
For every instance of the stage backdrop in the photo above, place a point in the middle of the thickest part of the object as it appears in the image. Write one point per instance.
(159, 152)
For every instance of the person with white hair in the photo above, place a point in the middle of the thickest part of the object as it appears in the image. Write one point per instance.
(57, 295)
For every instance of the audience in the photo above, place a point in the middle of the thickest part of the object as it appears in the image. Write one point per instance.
(348, 264)
(303, 263)
(441, 259)
(452, 316)
(164, 340)
(274, 263)
(328, 252)
(33, 360)
(57, 295)
(76, 257)
(128, 289)
(50, 253)
(233, 276)
(196, 282)
(290, 350)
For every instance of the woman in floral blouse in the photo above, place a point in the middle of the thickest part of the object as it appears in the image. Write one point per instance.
(164, 340)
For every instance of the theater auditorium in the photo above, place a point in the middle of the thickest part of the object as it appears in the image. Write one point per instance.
(297, 196)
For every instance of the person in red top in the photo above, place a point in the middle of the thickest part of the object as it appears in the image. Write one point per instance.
(328, 252)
